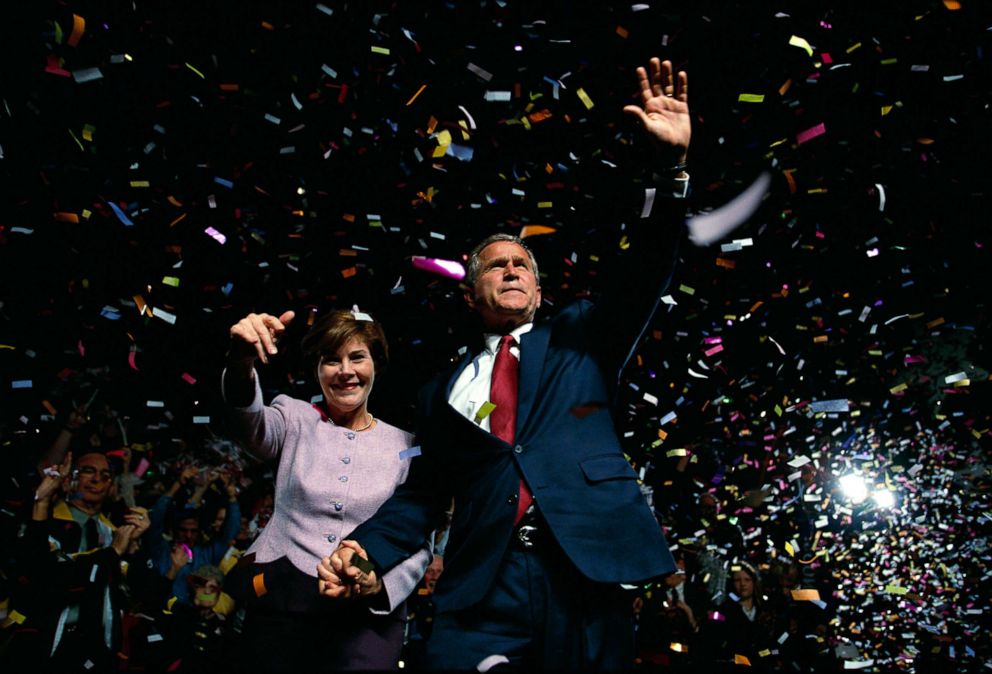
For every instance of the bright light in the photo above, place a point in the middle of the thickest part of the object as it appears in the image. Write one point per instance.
(884, 498)
(854, 487)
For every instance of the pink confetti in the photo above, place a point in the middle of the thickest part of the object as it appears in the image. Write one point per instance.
(130, 360)
(215, 235)
(447, 268)
(811, 133)
(142, 466)
(188, 378)
(716, 349)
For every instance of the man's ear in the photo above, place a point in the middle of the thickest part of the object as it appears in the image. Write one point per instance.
(469, 296)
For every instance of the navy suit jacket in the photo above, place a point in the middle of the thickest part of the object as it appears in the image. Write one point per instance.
(566, 448)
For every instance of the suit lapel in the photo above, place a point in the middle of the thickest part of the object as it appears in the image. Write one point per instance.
(533, 349)
(462, 364)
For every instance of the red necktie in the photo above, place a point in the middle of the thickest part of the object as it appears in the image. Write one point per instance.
(503, 419)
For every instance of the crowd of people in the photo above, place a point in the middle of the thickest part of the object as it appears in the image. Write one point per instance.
(181, 527)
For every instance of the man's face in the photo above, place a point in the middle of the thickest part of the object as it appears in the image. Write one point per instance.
(506, 292)
(187, 531)
(93, 480)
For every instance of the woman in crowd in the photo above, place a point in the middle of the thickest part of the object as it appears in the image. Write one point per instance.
(748, 621)
(337, 464)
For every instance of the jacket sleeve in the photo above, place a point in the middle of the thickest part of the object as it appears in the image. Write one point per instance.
(634, 279)
(400, 581)
(260, 428)
(402, 525)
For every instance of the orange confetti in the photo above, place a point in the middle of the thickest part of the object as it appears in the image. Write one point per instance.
(230, 87)
(78, 27)
(67, 217)
(622, 32)
(724, 262)
(535, 230)
(806, 595)
(792, 181)
(952, 5)
(539, 116)
(349, 272)
(258, 582)
(414, 97)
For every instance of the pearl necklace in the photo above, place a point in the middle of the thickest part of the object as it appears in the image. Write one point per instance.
(357, 430)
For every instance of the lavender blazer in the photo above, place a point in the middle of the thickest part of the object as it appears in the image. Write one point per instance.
(330, 480)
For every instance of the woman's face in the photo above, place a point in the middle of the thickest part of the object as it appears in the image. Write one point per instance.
(346, 377)
(743, 585)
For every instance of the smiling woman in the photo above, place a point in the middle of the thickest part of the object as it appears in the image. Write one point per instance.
(337, 465)
(347, 353)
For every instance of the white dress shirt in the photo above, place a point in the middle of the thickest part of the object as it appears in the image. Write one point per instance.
(471, 389)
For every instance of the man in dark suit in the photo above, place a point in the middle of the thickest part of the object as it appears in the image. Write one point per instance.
(548, 516)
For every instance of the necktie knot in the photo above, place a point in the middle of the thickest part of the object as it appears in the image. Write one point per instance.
(505, 342)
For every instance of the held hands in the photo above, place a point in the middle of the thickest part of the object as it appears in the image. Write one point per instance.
(664, 107)
(339, 575)
(256, 336)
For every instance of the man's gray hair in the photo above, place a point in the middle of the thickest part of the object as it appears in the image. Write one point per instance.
(473, 259)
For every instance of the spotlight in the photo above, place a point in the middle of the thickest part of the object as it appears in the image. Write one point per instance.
(854, 487)
(884, 498)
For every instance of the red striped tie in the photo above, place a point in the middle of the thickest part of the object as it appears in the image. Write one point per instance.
(503, 419)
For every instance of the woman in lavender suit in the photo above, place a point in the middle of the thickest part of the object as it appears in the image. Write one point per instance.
(337, 465)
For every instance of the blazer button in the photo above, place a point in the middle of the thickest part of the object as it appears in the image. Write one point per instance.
(331, 538)
(338, 506)
(343, 478)
(346, 459)
(513, 498)
(518, 449)
(351, 436)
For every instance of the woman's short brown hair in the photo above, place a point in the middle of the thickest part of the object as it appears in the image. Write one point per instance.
(335, 328)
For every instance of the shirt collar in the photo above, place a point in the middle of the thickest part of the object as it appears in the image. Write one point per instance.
(493, 338)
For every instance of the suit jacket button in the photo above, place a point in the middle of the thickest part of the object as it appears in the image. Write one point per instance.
(518, 449)
(512, 499)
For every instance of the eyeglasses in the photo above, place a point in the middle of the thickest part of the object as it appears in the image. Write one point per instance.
(90, 471)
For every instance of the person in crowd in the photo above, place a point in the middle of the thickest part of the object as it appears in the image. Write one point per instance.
(745, 622)
(186, 531)
(337, 465)
(718, 542)
(671, 616)
(420, 616)
(72, 566)
(548, 517)
(190, 636)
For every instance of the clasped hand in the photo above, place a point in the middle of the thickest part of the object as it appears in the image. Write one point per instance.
(339, 576)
